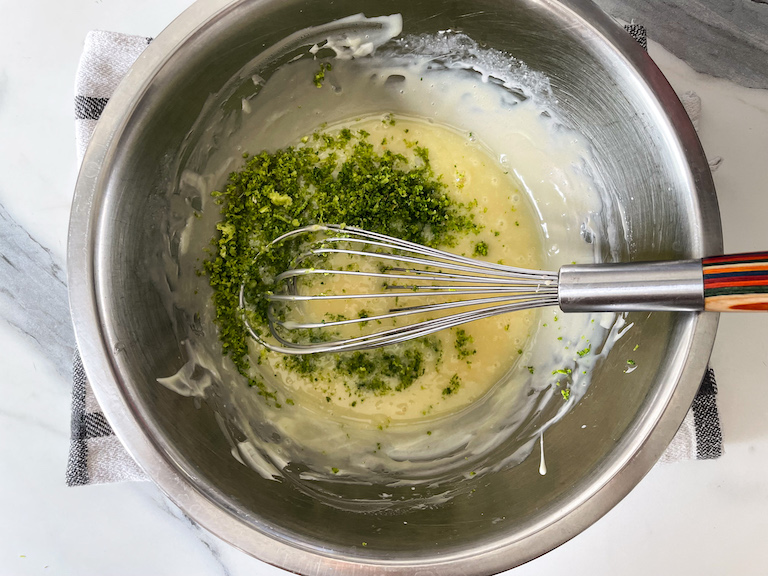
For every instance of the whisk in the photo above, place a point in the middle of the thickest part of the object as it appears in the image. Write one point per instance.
(451, 290)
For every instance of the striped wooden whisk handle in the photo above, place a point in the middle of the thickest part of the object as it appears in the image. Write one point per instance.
(735, 283)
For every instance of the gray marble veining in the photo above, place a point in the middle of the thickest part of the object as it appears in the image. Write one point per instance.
(722, 38)
(210, 542)
(33, 293)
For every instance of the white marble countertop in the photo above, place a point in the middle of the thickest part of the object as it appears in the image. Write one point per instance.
(704, 517)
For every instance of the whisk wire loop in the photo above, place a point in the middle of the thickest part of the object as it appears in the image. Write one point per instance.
(454, 289)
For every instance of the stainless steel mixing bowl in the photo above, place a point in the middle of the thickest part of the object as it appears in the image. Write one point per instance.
(659, 182)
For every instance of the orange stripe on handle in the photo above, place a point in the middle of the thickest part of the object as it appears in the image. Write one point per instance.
(742, 281)
(725, 269)
(737, 282)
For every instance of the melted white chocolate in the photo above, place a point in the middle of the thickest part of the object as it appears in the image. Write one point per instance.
(442, 79)
(512, 235)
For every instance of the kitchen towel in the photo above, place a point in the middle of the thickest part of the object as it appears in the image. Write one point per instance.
(96, 456)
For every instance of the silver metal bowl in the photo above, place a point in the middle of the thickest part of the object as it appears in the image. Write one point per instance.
(656, 174)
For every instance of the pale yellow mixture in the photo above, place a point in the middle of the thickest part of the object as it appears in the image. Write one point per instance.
(491, 347)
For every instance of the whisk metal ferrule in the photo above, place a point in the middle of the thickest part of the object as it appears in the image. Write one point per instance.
(636, 286)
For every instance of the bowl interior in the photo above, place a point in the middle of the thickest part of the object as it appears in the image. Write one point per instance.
(653, 198)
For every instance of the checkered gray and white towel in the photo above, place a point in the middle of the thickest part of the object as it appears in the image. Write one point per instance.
(96, 455)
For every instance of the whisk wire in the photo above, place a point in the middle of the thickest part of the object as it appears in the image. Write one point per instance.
(397, 312)
(393, 335)
(413, 274)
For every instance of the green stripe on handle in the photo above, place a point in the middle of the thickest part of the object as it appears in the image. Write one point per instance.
(737, 282)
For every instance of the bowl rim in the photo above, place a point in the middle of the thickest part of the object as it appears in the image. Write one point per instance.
(616, 478)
